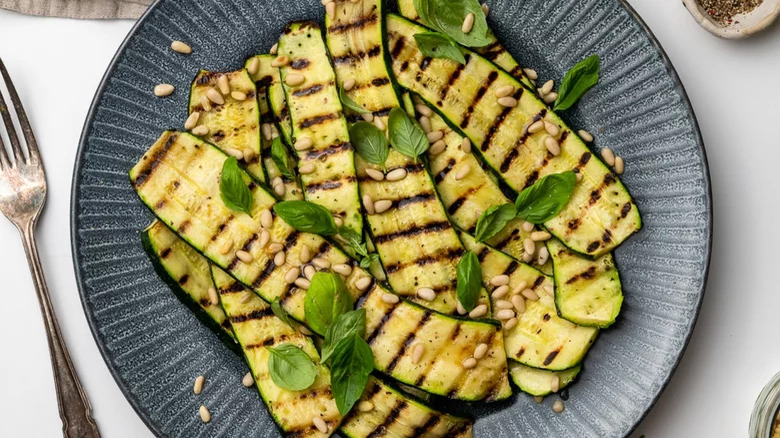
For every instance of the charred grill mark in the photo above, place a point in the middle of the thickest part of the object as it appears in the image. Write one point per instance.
(160, 205)
(425, 63)
(413, 230)
(267, 342)
(330, 150)
(423, 197)
(463, 428)
(588, 274)
(551, 357)
(351, 58)
(512, 235)
(483, 253)
(426, 260)
(330, 185)
(595, 195)
(439, 177)
(357, 24)
(378, 329)
(573, 224)
(165, 253)
(564, 136)
(152, 162)
(585, 158)
(378, 82)
(606, 237)
(222, 227)
(513, 154)
(520, 353)
(492, 51)
(499, 121)
(429, 424)
(531, 179)
(453, 78)
(269, 267)
(511, 268)
(407, 342)
(257, 314)
(480, 94)
(609, 179)
(539, 281)
(299, 64)
(517, 71)
(625, 210)
(308, 91)
(183, 227)
(183, 279)
(398, 47)
(218, 136)
(317, 120)
(404, 65)
(382, 112)
(546, 317)
(234, 287)
(391, 418)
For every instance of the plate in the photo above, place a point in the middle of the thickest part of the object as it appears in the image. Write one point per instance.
(155, 347)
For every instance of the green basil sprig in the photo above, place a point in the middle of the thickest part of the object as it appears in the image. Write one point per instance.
(351, 364)
(307, 217)
(351, 322)
(494, 220)
(357, 245)
(370, 142)
(276, 307)
(406, 135)
(447, 17)
(349, 103)
(546, 198)
(291, 368)
(577, 81)
(439, 45)
(469, 280)
(282, 159)
(233, 190)
(326, 299)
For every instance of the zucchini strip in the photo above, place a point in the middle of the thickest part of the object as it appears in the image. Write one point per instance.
(178, 180)
(414, 239)
(541, 339)
(600, 214)
(256, 328)
(538, 382)
(315, 111)
(494, 51)
(235, 124)
(587, 292)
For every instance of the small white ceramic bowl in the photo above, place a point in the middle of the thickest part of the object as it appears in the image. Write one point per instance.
(744, 25)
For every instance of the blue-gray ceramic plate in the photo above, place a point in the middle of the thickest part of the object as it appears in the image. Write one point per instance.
(155, 347)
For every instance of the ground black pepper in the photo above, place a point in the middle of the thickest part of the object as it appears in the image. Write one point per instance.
(723, 11)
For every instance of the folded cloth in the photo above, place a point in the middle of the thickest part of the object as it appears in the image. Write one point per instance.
(103, 9)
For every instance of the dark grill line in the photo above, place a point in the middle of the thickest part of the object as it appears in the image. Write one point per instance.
(499, 121)
(308, 91)
(408, 341)
(357, 24)
(480, 94)
(413, 231)
(257, 314)
(391, 418)
(398, 47)
(430, 423)
(267, 342)
(423, 197)
(455, 206)
(426, 260)
(439, 177)
(378, 329)
(330, 150)
(351, 58)
(329, 185)
(317, 120)
(453, 78)
(270, 266)
(145, 173)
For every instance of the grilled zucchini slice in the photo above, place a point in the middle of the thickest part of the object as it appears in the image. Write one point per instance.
(316, 114)
(256, 328)
(587, 292)
(541, 339)
(600, 214)
(493, 51)
(538, 382)
(192, 207)
(236, 123)
(415, 241)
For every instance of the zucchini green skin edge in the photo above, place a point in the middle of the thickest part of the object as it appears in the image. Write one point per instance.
(587, 292)
(538, 382)
(600, 214)
(192, 207)
(316, 114)
(412, 258)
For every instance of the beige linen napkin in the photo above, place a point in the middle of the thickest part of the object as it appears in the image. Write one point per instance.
(106, 9)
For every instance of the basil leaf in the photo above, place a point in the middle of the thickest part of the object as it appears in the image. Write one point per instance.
(354, 241)
(326, 299)
(351, 364)
(370, 142)
(577, 81)
(349, 103)
(282, 159)
(438, 45)
(469, 280)
(406, 135)
(447, 17)
(546, 198)
(291, 368)
(276, 307)
(234, 191)
(366, 261)
(307, 217)
(345, 325)
(494, 220)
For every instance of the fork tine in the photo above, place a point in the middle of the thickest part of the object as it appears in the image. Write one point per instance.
(4, 163)
(32, 146)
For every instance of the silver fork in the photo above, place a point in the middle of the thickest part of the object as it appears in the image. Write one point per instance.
(22, 195)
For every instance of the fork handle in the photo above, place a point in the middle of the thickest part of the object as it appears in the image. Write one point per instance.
(75, 411)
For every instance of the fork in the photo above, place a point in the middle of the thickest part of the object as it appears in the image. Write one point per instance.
(22, 195)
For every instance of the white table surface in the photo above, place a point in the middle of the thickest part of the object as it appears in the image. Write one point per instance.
(57, 65)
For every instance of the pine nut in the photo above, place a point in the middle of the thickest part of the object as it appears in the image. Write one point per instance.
(469, 363)
(529, 245)
(291, 275)
(338, 221)
(478, 311)
(342, 269)
(181, 47)
(304, 330)
(397, 174)
(163, 90)
(540, 236)
(390, 298)
(480, 351)
(363, 283)
(368, 117)
(424, 110)
(468, 23)
(266, 219)
(192, 121)
(504, 91)
(305, 255)
(365, 406)
(425, 122)
(248, 154)
(303, 143)
(235, 153)
(503, 304)
(538, 399)
(309, 271)
(330, 8)
(294, 79)
(620, 166)
(275, 248)
(248, 380)
(549, 289)
(485, 8)
(536, 126)
(552, 146)
(608, 156)
(349, 84)
(505, 314)
(500, 292)
(268, 132)
(551, 128)
(462, 172)
(510, 323)
(197, 388)
(426, 293)
(205, 415)
(214, 96)
(280, 190)
(437, 147)
(274, 49)
(244, 256)
(550, 98)
(528, 227)
(519, 287)
(531, 74)
(374, 174)
(518, 303)
(225, 248)
(379, 123)
(301, 282)
(527, 257)
(265, 237)
(306, 168)
(213, 297)
(223, 84)
(555, 383)
(557, 407)
(435, 136)
(547, 87)
(280, 61)
(509, 102)
(530, 294)
(279, 258)
(585, 135)
(238, 95)
(499, 280)
(544, 255)
(465, 145)
(254, 66)
(318, 422)
(382, 205)
(247, 297)
(205, 103)
(417, 352)
(321, 263)
(368, 204)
